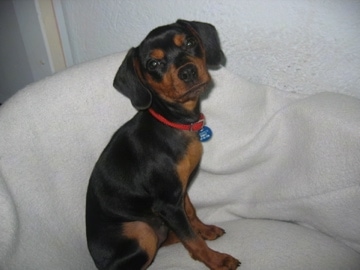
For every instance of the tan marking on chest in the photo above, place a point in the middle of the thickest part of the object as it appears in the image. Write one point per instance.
(189, 162)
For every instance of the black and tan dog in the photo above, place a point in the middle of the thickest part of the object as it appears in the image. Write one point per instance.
(137, 196)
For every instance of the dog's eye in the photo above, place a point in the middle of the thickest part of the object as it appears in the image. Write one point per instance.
(190, 43)
(153, 64)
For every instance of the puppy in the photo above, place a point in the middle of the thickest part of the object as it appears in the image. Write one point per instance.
(137, 196)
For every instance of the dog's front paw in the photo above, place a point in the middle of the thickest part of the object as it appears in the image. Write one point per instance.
(226, 262)
(211, 232)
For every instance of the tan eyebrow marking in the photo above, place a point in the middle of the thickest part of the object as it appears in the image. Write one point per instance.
(179, 39)
(157, 54)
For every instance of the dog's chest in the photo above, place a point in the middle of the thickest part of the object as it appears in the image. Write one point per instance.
(189, 161)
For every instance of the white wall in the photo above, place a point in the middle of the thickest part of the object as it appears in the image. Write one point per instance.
(30, 47)
(295, 45)
(15, 71)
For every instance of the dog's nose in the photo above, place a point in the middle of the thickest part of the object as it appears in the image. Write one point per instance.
(188, 73)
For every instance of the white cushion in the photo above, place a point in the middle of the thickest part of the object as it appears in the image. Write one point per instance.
(274, 155)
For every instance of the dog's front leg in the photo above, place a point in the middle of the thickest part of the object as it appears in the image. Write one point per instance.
(175, 217)
(207, 232)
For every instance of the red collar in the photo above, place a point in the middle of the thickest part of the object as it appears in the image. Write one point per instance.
(196, 126)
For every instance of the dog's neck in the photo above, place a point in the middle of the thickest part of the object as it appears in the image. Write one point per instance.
(195, 126)
(176, 112)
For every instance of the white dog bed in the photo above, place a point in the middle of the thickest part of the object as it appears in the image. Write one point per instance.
(281, 174)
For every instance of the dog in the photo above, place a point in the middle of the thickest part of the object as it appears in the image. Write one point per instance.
(137, 197)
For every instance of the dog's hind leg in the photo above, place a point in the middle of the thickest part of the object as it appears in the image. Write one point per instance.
(131, 245)
(147, 238)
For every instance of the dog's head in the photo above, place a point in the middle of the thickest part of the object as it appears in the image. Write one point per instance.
(170, 63)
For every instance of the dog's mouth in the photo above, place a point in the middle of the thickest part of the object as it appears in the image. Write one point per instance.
(195, 91)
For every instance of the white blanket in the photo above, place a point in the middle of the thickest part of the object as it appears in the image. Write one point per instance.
(279, 156)
(275, 156)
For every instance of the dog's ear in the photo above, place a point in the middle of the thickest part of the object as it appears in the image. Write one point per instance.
(210, 39)
(128, 81)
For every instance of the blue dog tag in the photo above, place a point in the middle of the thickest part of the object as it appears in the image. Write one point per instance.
(205, 134)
